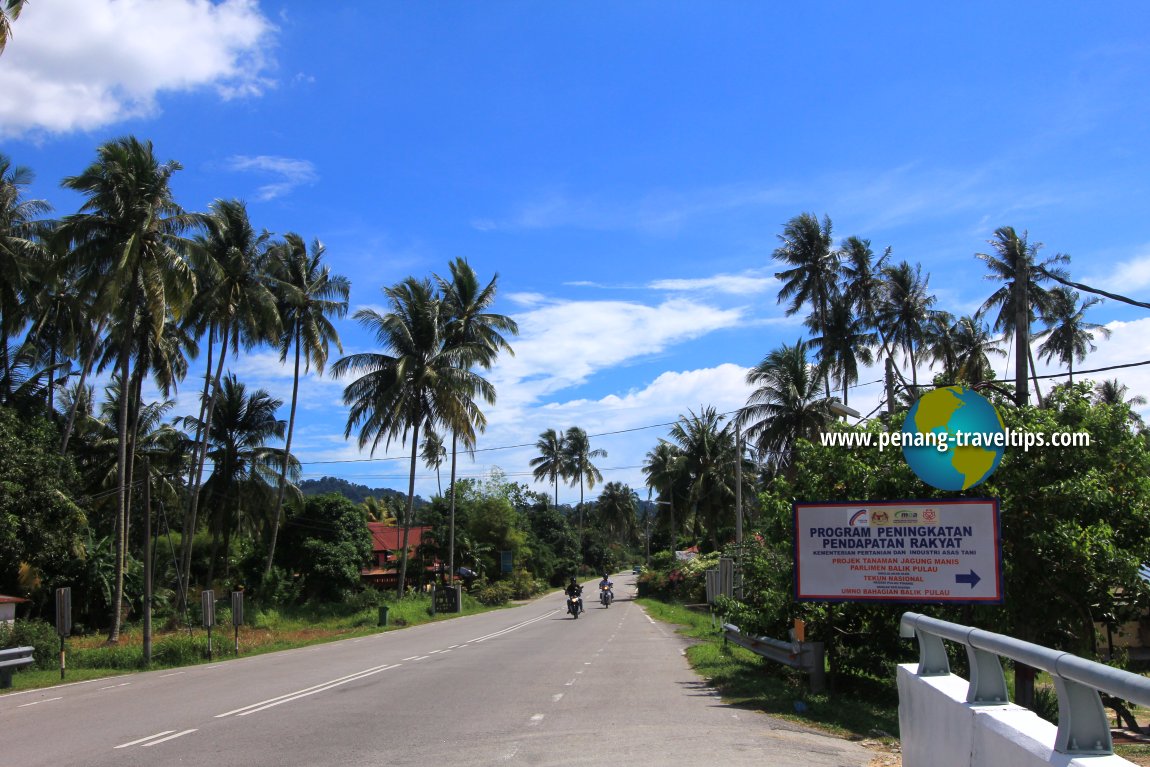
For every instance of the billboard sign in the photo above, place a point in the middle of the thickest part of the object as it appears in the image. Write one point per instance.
(898, 551)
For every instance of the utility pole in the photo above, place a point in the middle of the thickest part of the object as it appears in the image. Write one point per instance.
(739, 507)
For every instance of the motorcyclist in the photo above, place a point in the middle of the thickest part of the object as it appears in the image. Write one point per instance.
(606, 584)
(573, 590)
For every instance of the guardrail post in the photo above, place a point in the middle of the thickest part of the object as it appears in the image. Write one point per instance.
(987, 682)
(1083, 727)
(814, 658)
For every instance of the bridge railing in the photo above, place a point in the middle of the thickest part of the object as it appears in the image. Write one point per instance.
(1083, 727)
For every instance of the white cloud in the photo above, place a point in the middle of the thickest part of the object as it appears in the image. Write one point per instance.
(745, 284)
(1125, 276)
(289, 173)
(83, 64)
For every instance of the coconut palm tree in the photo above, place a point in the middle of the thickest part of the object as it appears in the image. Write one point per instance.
(127, 239)
(1068, 335)
(1112, 392)
(476, 334)
(707, 457)
(905, 311)
(236, 307)
(434, 453)
(550, 464)
(1015, 264)
(20, 250)
(616, 510)
(577, 455)
(785, 405)
(846, 341)
(812, 277)
(663, 470)
(246, 469)
(309, 296)
(417, 379)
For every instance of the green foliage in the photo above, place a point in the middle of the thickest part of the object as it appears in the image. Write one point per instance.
(39, 635)
(40, 523)
(120, 657)
(178, 650)
(492, 594)
(326, 543)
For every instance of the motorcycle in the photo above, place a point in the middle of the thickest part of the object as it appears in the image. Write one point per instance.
(606, 597)
(574, 606)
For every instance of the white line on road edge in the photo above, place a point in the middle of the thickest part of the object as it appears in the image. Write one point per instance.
(174, 673)
(141, 740)
(512, 628)
(170, 737)
(306, 691)
(36, 702)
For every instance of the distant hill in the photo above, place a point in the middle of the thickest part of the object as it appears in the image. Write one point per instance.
(354, 492)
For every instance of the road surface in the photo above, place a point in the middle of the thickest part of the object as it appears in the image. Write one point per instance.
(523, 686)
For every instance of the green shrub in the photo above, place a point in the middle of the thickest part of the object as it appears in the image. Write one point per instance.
(179, 650)
(40, 635)
(492, 594)
(124, 658)
(522, 585)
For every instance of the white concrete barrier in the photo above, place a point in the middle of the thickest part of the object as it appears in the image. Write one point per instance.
(939, 728)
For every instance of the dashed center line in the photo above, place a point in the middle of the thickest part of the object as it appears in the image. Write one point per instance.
(174, 673)
(141, 740)
(556, 697)
(414, 657)
(536, 719)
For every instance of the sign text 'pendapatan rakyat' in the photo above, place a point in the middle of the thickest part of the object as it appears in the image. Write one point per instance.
(898, 551)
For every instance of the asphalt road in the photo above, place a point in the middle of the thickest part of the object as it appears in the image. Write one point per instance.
(525, 686)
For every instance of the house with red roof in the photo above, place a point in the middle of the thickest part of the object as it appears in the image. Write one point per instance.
(386, 544)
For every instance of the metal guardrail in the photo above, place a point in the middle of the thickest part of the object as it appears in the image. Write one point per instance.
(808, 657)
(10, 659)
(1083, 727)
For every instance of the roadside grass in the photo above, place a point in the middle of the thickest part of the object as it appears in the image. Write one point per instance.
(868, 709)
(90, 657)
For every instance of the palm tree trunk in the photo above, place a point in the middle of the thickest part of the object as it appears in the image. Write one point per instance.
(287, 455)
(121, 496)
(202, 457)
(1034, 375)
(451, 533)
(410, 506)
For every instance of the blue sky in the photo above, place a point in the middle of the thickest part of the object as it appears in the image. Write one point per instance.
(626, 169)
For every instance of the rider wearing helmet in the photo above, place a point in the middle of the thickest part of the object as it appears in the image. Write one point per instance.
(573, 588)
(606, 584)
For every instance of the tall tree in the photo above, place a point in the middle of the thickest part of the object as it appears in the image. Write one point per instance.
(812, 277)
(1068, 335)
(1113, 392)
(20, 249)
(550, 464)
(663, 470)
(845, 342)
(616, 509)
(785, 405)
(309, 295)
(418, 379)
(707, 449)
(478, 335)
(905, 312)
(128, 238)
(1021, 296)
(577, 455)
(236, 307)
(434, 453)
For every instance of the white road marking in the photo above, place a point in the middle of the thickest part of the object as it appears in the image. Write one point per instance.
(174, 673)
(556, 697)
(436, 652)
(37, 702)
(587, 663)
(141, 740)
(462, 646)
(170, 737)
(270, 702)
(413, 657)
(453, 647)
(421, 657)
(536, 719)
(512, 628)
(568, 684)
